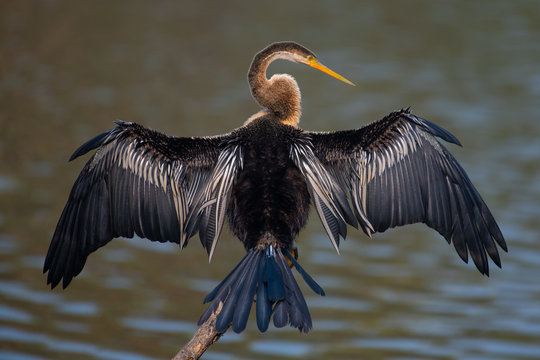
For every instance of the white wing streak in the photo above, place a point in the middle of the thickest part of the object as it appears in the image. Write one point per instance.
(329, 199)
(211, 207)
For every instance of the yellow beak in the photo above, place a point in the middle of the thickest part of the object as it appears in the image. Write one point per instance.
(314, 63)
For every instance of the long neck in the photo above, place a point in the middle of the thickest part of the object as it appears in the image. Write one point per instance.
(279, 94)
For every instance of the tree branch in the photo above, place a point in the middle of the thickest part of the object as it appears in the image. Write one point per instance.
(205, 336)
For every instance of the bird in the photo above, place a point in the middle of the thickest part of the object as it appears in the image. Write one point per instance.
(263, 178)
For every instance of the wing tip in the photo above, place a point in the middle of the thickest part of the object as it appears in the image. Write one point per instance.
(431, 127)
(91, 144)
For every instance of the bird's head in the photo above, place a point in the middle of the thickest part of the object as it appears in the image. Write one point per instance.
(280, 94)
(292, 51)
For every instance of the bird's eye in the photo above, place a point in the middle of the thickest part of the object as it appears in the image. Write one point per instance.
(310, 58)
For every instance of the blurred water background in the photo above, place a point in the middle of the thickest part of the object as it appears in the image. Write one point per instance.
(69, 68)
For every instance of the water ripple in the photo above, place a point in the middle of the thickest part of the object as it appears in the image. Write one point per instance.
(159, 325)
(282, 348)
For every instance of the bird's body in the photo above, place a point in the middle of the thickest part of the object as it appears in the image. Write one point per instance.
(263, 177)
(270, 194)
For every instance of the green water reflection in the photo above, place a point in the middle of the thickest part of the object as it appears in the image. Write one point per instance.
(68, 69)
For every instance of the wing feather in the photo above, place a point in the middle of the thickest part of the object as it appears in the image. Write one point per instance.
(329, 198)
(210, 208)
(399, 174)
(139, 182)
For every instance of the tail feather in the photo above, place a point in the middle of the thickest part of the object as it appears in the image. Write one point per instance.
(264, 275)
(296, 307)
(280, 314)
(243, 308)
(228, 279)
(263, 307)
(274, 283)
(233, 306)
(221, 292)
(308, 279)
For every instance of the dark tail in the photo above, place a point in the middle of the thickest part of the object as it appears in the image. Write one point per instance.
(263, 275)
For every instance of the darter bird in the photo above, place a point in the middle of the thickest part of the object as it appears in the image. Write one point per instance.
(263, 178)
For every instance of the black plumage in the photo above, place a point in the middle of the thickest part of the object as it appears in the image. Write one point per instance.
(263, 177)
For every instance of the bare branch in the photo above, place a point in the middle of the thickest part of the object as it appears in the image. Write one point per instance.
(205, 336)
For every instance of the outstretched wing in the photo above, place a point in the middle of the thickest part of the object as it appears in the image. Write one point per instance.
(141, 182)
(396, 172)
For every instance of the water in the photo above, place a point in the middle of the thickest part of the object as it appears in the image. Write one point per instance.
(70, 68)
